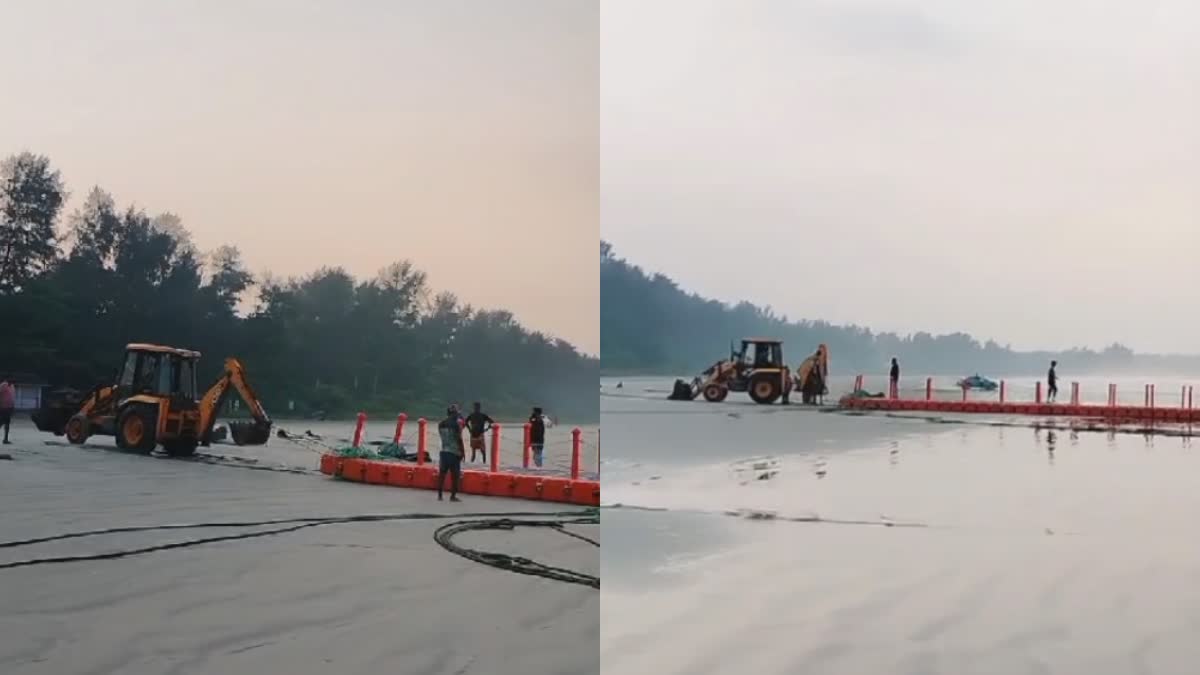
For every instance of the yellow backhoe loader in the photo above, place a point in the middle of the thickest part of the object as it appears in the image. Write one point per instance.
(757, 368)
(153, 402)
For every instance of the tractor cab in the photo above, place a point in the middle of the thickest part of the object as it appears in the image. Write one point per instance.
(757, 353)
(153, 370)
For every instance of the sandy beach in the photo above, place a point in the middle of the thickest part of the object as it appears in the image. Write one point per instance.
(898, 546)
(346, 598)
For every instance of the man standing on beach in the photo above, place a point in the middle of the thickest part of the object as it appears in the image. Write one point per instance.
(451, 457)
(537, 435)
(8, 401)
(477, 423)
(1052, 382)
(894, 392)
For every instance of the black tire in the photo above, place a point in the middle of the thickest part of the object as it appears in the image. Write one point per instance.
(765, 388)
(78, 429)
(181, 447)
(715, 393)
(134, 417)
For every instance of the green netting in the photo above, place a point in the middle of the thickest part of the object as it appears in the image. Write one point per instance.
(384, 452)
(358, 453)
(392, 451)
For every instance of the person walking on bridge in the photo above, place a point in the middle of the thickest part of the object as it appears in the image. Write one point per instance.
(8, 401)
(894, 379)
(478, 422)
(1052, 383)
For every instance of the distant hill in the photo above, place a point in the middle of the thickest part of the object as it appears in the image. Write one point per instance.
(649, 325)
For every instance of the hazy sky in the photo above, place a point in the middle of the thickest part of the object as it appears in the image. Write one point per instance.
(1027, 170)
(459, 134)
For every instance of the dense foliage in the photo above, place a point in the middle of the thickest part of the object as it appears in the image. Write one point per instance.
(649, 325)
(72, 294)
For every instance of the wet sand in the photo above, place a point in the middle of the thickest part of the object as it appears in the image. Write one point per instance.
(346, 598)
(1033, 551)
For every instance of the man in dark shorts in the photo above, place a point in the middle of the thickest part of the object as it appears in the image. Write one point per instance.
(8, 402)
(451, 457)
(1052, 383)
(477, 423)
(537, 435)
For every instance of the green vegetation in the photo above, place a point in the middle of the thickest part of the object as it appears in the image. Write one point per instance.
(649, 325)
(73, 294)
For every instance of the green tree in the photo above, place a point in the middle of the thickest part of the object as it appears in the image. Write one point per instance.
(31, 196)
(650, 325)
(325, 341)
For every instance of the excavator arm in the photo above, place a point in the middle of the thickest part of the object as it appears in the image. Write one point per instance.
(234, 377)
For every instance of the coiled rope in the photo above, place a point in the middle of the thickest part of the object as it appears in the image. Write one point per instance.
(445, 534)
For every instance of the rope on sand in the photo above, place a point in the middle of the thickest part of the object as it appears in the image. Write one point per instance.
(496, 521)
(446, 533)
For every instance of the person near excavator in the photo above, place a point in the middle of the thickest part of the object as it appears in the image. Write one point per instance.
(452, 455)
(478, 422)
(8, 402)
(813, 386)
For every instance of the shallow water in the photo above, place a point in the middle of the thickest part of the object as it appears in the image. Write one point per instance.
(898, 546)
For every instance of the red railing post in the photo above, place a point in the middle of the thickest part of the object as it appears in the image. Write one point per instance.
(929, 389)
(495, 448)
(1183, 396)
(1074, 393)
(1151, 396)
(964, 388)
(359, 426)
(400, 420)
(576, 441)
(1189, 397)
(858, 382)
(422, 428)
(1037, 393)
(525, 445)
(1002, 391)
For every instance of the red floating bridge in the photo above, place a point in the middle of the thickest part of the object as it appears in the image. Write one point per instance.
(1184, 413)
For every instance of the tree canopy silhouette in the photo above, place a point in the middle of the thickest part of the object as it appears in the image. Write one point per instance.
(72, 296)
(650, 325)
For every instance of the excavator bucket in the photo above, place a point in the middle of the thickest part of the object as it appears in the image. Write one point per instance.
(249, 433)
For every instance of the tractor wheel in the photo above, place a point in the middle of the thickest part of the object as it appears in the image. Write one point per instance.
(765, 388)
(77, 429)
(715, 393)
(183, 447)
(135, 429)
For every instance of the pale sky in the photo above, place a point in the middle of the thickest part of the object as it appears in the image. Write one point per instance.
(1027, 170)
(459, 134)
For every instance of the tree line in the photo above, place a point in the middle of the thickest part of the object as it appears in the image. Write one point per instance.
(75, 289)
(649, 325)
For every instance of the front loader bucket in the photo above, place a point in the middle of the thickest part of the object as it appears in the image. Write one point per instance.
(250, 433)
(57, 407)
